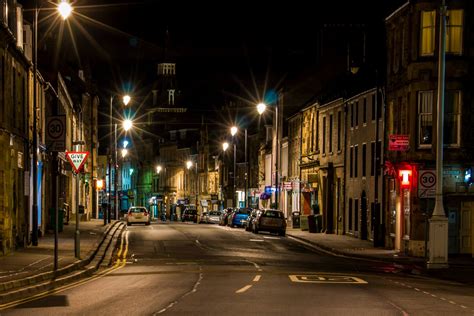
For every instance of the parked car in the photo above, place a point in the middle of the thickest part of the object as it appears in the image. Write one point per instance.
(248, 224)
(211, 217)
(224, 215)
(189, 215)
(270, 220)
(138, 214)
(238, 217)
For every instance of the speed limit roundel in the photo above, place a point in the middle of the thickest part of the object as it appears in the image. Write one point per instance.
(427, 179)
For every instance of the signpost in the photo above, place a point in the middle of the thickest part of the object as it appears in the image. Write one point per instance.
(77, 159)
(56, 133)
(426, 184)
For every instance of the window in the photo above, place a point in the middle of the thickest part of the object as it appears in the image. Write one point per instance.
(454, 30)
(364, 159)
(364, 111)
(324, 135)
(317, 130)
(427, 40)
(330, 132)
(425, 118)
(356, 158)
(351, 162)
(373, 107)
(350, 214)
(352, 115)
(356, 113)
(171, 96)
(378, 158)
(339, 130)
(452, 116)
(356, 215)
(372, 157)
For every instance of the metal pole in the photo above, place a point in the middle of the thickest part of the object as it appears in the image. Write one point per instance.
(246, 172)
(276, 155)
(34, 237)
(55, 205)
(77, 240)
(109, 204)
(438, 254)
(234, 200)
(115, 173)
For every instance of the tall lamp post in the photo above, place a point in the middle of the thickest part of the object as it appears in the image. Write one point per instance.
(225, 146)
(438, 230)
(127, 124)
(233, 131)
(261, 107)
(64, 9)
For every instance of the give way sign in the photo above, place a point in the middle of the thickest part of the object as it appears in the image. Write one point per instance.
(77, 159)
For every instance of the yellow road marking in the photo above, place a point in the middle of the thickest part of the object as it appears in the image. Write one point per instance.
(257, 278)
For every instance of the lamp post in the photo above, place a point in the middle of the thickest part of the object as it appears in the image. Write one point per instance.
(438, 229)
(233, 131)
(64, 9)
(261, 107)
(225, 146)
(127, 125)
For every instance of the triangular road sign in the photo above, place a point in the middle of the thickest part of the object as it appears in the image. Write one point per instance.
(77, 159)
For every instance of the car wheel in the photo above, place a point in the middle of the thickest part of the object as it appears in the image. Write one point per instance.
(128, 224)
(282, 233)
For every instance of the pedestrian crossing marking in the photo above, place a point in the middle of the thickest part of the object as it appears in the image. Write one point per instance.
(325, 278)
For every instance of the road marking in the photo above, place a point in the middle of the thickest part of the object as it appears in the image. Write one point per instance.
(242, 290)
(257, 240)
(271, 237)
(257, 278)
(325, 278)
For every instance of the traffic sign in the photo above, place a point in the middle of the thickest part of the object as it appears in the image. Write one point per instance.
(77, 159)
(56, 133)
(426, 184)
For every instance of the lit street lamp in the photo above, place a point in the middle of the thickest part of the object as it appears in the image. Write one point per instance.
(261, 107)
(127, 124)
(64, 10)
(233, 131)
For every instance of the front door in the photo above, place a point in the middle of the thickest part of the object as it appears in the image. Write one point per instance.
(466, 245)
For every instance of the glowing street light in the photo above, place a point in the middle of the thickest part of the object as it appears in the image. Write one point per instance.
(261, 108)
(127, 125)
(124, 152)
(64, 9)
(100, 184)
(126, 99)
(189, 164)
(233, 130)
(158, 169)
(225, 146)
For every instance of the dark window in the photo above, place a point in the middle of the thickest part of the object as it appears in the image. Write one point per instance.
(364, 111)
(379, 105)
(356, 158)
(364, 159)
(351, 162)
(352, 114)
(339, 130)
(372, 157)
(378, 157)
(356, 113)
(317, 131)
(373, 107)
(350, 214)
(324, 135)
(330, 132)
(356, 215)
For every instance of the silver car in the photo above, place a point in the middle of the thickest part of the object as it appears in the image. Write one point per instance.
(138, 214)
(211, 217)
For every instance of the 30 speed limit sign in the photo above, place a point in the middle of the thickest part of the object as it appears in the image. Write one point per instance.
(427, 184)
(56, 133)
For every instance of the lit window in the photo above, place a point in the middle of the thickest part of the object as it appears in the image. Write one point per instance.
(454, 28)
(425, 118)
(428, 23)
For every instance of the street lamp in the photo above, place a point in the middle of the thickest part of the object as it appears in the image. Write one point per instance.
(261, 107)
(233, 131)
(127, 124)
(62, 10)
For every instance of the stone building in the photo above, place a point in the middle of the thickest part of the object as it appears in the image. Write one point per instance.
(411, 94)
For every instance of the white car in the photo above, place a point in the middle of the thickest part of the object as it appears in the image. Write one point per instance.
(211, 217)
(138, 214)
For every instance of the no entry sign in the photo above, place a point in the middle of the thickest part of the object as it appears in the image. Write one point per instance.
(77, 159)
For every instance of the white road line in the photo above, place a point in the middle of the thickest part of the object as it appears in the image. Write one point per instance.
(242, 290)
(257, 240)
(257, 278)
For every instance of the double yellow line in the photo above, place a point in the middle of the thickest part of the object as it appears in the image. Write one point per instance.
(120, 263)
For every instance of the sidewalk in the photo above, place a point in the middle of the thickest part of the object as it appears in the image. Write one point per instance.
(461, 268)
(37, 259)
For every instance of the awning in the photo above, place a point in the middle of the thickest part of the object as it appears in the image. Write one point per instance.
(264, 196)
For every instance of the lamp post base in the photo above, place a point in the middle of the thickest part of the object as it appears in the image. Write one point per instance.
(438, 243)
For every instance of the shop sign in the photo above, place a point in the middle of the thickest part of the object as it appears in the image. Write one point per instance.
(398, 142)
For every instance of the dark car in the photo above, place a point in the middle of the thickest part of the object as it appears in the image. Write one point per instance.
(189, 215)
(248, 224)
(270, 220)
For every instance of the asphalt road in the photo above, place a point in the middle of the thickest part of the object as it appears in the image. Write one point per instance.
(193, 269)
